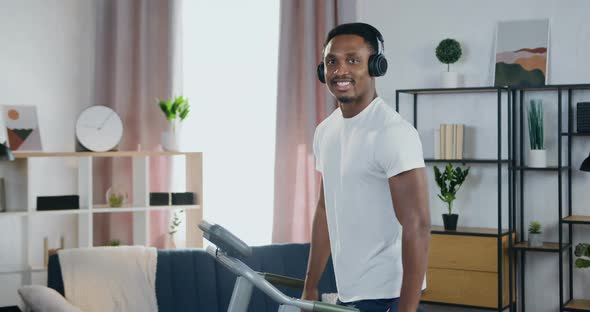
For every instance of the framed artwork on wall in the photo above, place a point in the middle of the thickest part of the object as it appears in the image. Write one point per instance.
(522, 53)
(22, 128)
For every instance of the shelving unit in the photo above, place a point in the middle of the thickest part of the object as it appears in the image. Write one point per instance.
(22, 190)
(504, 165)
(516, 170)
(563, 244)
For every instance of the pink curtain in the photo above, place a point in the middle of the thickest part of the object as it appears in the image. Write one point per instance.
(137, 58)
(302, 103)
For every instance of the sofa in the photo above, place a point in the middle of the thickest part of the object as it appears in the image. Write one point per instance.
(191, 280)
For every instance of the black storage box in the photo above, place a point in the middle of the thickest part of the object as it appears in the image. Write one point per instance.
(186, 198)
(583, 117)
(159, 199)
(45, 203)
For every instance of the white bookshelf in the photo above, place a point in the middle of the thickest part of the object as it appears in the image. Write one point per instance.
(22, 192)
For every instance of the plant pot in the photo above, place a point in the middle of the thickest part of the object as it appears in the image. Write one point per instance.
(537, 158)
(450, 79)
(535, 240)
(450, 221)
(171, 138)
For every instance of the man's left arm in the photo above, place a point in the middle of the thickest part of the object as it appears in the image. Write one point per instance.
(409, 193)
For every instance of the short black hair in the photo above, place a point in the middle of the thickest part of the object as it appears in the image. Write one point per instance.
(368, 32)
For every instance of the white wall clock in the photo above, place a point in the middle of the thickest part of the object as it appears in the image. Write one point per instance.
(99, 128)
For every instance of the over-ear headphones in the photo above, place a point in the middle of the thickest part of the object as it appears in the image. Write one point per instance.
(377, 62)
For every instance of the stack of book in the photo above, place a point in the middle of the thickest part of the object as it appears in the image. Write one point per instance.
(448, 141)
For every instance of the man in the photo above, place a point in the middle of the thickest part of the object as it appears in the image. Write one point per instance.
(373, 213)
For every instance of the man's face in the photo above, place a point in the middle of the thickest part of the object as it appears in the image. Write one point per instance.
(346, 59)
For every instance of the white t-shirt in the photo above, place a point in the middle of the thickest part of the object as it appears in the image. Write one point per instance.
(356, 157)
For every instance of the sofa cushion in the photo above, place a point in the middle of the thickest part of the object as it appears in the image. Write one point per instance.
(40, 298)
(185, 281)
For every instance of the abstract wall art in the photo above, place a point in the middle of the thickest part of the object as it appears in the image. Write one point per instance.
(22, 128)
(522, 49)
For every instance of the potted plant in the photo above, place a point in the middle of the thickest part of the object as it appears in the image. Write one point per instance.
(114, 242)
(535, 239)
(449, 181)
(583, 253)
(537, 152)
(448, 52)
(175, 110)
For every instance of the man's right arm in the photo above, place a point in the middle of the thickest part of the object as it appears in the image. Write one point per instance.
(319, 250)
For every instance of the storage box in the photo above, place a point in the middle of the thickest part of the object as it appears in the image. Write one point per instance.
(186, 198)
(45, 203)
(583, 117)
(159, 199)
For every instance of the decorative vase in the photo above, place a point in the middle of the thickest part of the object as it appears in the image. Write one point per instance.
(171, 138)
(450, 221)
(450, 79)
(116, 196)
(535, 240)
(537, 158)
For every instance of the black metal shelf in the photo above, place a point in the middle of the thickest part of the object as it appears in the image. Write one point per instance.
(577, 305)
(468, 160)
(579, 86)
(575, 134)
(491, 89)
(547, 247)
(504, 168)
(525, 168)
(576, 219)
(454, 90)
(469, 231)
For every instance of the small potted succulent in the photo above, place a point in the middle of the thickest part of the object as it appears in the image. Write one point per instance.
(448, 52)
(535, 239)
(449, 181)
(176, 110)
(537, 153)
(583, 253)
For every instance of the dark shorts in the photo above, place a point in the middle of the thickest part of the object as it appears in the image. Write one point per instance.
(375, 305)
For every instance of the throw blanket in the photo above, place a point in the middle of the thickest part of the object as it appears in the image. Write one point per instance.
(110, 279)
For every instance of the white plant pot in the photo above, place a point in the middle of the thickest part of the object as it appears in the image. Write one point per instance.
(537, 158)
(535, 240)
(450, 79)
(170, 139)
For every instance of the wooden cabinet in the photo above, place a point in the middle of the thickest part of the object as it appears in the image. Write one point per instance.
(463, 268)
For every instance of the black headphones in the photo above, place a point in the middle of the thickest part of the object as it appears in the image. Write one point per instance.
(377, 62)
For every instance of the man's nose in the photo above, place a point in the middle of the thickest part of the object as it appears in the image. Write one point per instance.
(341, 69)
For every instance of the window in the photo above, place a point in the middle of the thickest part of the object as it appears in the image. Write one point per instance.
(230, 59)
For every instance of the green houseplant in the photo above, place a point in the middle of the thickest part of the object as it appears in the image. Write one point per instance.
(535, 232)
(537, 152)
(583, 253)
(449, 182)
(114, 242)
(449, 52)
(175, 110)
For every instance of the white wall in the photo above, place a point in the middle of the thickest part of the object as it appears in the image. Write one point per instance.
(47, 60)
(411, 30)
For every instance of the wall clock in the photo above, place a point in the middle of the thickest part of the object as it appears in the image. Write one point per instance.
(99, 128)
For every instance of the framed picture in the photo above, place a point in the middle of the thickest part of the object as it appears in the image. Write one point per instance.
(22, 128)
(522, 50)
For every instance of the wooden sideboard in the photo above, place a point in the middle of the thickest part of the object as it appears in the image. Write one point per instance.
(463, 268)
